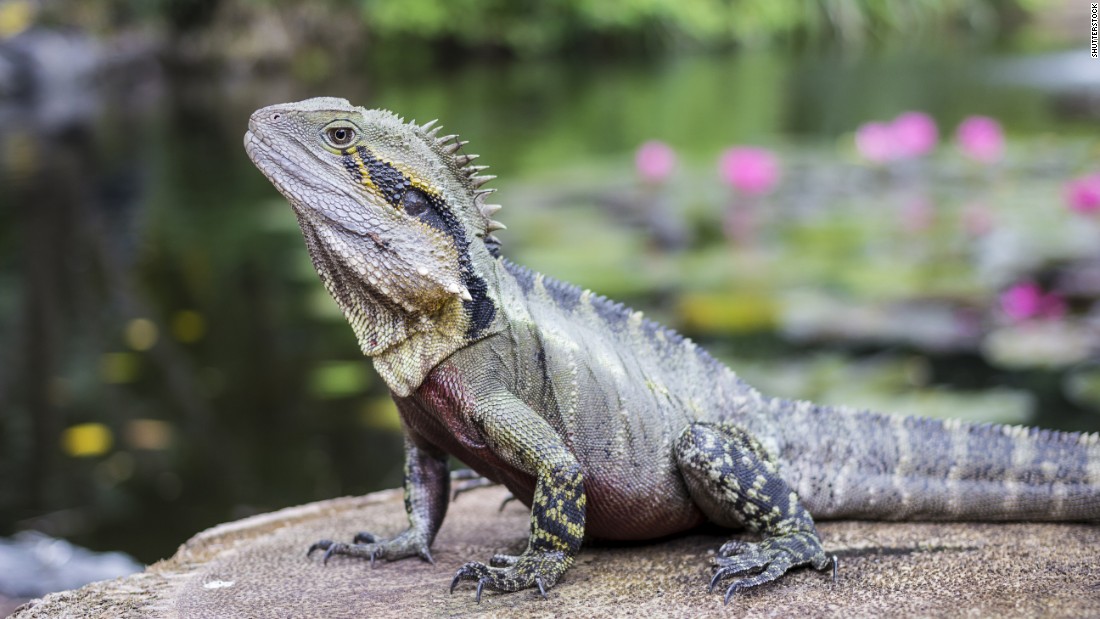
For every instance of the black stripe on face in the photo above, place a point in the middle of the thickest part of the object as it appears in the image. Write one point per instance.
(352, 166)
(429, 208)
(391, 183)
(434, 212)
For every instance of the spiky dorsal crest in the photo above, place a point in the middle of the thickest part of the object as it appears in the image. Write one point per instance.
(470, 174)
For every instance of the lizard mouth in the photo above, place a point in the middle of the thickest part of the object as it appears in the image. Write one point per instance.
(293, 180)
(278, 168)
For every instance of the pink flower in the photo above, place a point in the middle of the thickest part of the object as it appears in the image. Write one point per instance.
(981, 138)
(914, 134)
(876, 142)
(1027, 300)
(751, 171)
(654, 161)
(1083, 194)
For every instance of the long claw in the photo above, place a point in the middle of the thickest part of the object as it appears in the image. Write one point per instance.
(426, 555)
(836, 566)
(480, 585)
(542, 589)
(372, 557)
(324, 544)
(364, 538)
(718, 575)
(734, 588)
(328, 554)
(454, 582)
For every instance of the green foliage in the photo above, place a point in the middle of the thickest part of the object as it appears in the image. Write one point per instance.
(563, 26)
(429, 29)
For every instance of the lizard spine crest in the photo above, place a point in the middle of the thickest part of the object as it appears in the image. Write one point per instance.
(470, 175)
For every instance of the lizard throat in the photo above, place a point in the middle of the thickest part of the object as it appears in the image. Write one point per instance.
(404, 342)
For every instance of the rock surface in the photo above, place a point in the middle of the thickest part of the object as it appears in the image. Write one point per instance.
(257, 568)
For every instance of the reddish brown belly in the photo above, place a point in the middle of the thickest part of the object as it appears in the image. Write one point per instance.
(617, 515)
(439, 414)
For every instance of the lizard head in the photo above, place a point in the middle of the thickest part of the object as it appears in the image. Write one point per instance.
(393, 215)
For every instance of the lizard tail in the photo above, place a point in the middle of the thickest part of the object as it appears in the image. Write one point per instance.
(846, 463)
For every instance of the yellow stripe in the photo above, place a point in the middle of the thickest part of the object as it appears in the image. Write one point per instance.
(416, 181)
(364, 174)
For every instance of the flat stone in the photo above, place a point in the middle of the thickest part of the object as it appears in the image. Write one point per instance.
(257, 567)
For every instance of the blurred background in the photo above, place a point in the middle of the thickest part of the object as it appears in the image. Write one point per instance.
(890, 205)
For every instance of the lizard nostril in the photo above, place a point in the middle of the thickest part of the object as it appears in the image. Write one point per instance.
(276, 116)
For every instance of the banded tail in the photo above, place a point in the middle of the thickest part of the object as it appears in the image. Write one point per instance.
(846, 463)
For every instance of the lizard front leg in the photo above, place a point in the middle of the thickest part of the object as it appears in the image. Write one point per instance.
(427, 487)
(736, 482)
(527, 442)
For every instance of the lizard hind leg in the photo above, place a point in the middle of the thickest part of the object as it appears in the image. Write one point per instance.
(736, 483)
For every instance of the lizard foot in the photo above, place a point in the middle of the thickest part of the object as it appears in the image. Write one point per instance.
(767, 560)
(513, 573)
(368, 546)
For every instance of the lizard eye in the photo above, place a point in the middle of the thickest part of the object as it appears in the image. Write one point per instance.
(340, 136)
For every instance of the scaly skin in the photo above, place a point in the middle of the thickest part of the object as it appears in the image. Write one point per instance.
(604, 423)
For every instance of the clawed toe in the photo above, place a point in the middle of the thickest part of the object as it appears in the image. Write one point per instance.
(336, 548)
(731, 590)
(471, 571)
(542, 589)
(766, 561)
(323, 544)
(520, 573)
(358, 549)
(725, 572)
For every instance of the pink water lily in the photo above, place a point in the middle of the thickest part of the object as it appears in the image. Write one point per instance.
(749, 170)
(1083, 194)
(876, 143)
(981, 138)
(1026, 301)
(655, 161)
(914, 133)
(911, 134)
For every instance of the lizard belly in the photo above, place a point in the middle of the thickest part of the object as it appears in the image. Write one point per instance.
(643, 501)
(645, 506)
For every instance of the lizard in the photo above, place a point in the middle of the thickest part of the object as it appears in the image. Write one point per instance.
(604, 423)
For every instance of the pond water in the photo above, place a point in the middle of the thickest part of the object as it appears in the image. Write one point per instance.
(171, 362)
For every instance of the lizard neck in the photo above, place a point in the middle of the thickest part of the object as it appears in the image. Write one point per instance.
(404, 365)
(404, 337)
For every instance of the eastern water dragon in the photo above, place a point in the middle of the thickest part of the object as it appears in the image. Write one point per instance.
(606, 424)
